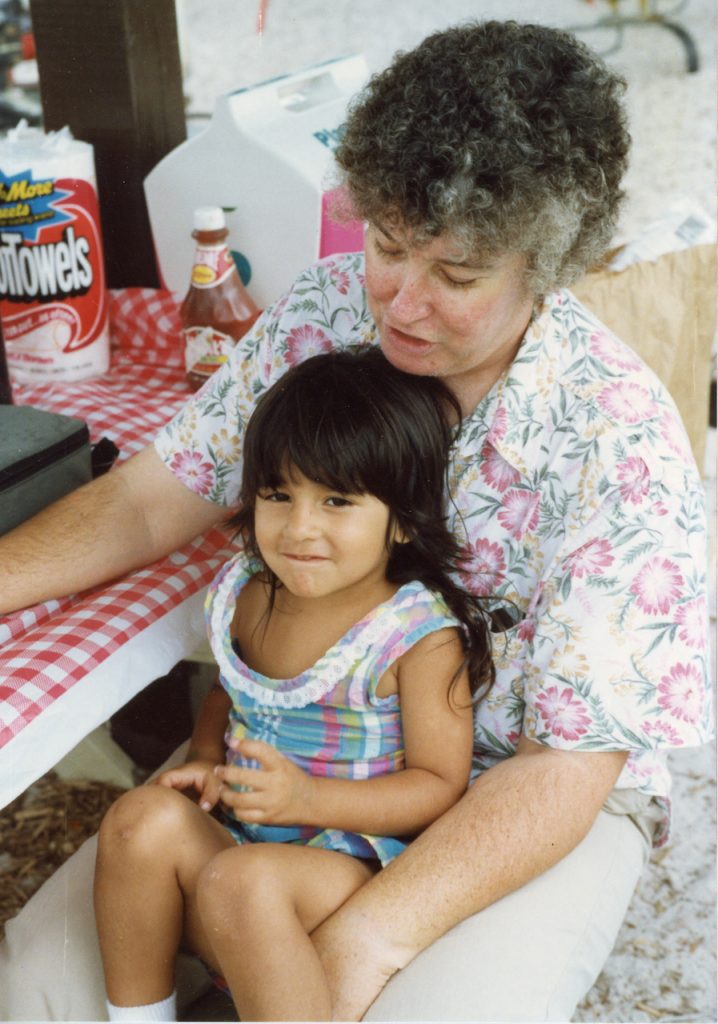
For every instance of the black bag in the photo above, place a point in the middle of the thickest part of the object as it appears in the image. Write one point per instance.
(43, 456)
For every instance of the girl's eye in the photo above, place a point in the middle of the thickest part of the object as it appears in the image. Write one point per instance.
(273, 496)
(338, 502)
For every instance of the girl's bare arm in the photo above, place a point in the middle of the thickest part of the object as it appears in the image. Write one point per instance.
(205, 753)
(207, 742)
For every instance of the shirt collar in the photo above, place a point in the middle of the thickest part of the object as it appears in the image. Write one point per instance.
(515, 409)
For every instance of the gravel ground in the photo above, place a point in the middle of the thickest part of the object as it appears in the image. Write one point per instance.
(663, 965)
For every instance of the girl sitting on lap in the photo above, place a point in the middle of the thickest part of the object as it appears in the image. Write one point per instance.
(342, 727)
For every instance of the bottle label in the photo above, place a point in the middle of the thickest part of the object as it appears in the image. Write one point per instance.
(212, 265)
(206, 350)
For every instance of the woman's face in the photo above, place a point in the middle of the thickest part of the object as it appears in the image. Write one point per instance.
(441, 315)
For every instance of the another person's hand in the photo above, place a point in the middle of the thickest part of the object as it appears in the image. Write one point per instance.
(196, 775)
(278, 792)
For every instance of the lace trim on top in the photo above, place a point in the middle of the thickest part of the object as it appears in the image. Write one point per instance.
(318, 680)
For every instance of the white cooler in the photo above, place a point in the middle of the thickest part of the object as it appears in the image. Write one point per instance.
(266, 157)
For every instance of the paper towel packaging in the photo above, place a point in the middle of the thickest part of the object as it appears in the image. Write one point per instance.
(266, 158)
(53, 299)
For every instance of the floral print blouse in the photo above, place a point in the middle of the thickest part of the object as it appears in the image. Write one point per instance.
(578, 506)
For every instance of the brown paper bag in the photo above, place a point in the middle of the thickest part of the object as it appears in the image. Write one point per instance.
(665, 310)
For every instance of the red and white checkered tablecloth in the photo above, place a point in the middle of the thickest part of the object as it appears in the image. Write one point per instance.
(48, 649)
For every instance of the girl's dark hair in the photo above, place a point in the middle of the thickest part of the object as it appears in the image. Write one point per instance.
(354, 423)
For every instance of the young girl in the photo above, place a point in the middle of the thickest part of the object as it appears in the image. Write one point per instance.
(343, 723)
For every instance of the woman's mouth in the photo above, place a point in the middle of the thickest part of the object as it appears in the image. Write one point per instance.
(407, 342)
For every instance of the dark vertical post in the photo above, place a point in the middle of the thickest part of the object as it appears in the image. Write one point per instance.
(110, 69)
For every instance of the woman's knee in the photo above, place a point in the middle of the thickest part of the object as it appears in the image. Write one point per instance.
(142, 821)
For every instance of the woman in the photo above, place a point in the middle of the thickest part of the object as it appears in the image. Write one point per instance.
(487, 163)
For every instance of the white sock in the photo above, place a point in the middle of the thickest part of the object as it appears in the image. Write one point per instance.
(164, 1010)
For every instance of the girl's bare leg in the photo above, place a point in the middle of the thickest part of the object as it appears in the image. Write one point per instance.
(153, 844)
(258, 905)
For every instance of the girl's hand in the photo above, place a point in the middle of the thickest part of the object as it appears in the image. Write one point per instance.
(278, 792)
(196, 775)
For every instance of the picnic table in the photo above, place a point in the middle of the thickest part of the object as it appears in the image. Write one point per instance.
(67, 665)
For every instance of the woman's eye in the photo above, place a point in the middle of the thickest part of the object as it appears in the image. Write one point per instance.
(457, 283)
(338, 502)
(386, 252)
(274, 496)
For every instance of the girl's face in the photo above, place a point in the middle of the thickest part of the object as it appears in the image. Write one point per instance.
(320, 542)
(440, 314)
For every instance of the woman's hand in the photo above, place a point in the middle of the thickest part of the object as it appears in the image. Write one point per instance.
(276, 793)
(197, 775)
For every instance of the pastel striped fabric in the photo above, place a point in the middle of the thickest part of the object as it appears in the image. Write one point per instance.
(328, 720)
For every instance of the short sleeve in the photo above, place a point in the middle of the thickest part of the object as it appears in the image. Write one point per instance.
(202, 444)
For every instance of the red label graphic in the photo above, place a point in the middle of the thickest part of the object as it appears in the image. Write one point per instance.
(52, 289)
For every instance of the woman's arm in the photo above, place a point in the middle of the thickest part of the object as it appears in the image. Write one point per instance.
(516, 821)
(438, 735)
(128, 518)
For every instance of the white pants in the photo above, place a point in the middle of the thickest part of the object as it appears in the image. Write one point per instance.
(531, 956)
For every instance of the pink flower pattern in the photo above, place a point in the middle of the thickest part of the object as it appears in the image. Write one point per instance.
(304, 342)
(527, 630)
(674, 435)
(682, 692)
(635, 479)
(498, 428)
(564, 713)
(629, 403)
(593, 557)
(519, 512)
(482, 567)
(662, 732)
(496, 471)
(340, 279)
(610, 351)
(194, 471)
(657, 585)
(693, 617)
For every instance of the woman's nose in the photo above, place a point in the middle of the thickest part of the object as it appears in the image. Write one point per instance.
(410, 302)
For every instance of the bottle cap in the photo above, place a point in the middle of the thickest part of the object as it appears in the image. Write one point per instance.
(209, 218)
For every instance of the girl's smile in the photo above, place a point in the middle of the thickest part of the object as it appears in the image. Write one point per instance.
(304, 558)
(320, 542)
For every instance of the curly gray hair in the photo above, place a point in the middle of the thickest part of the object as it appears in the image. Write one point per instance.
(510, 137)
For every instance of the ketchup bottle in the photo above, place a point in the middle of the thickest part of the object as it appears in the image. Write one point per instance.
(216, 311)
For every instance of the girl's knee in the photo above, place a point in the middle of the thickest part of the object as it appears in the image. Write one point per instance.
(143, 820)
(239, 877)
